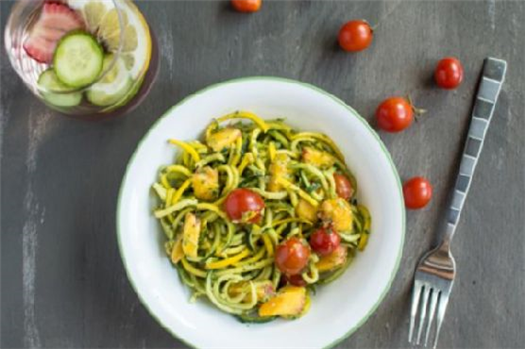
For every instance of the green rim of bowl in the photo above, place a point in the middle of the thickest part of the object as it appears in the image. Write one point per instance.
(289, 81)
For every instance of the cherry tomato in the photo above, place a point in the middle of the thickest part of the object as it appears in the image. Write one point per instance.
(324, 241)
(394, 114)
(291, 256)
(243, 205)
(449, 73)
(295, 280)
(417, 192)
(343, 187)
(355, 35)
(246, 5)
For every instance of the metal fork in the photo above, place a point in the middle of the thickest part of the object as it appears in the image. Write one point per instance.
(434, 276)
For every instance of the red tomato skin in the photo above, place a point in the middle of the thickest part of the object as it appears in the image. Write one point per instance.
(448, 73)
(394, 114)
(294, 280)
(355, 36)
(324, 241)
(246, 5)
(417, 192)
(291, 256)
(243, 200)
(343, 187)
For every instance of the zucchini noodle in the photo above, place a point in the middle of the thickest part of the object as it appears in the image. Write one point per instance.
(232, 263)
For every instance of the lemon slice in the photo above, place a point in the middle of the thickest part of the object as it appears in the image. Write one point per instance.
(94, 11)
(102, 19)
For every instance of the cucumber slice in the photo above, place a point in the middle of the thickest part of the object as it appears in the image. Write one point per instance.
(132, 92)
(49, 81)
(78, 59)
(113, 87)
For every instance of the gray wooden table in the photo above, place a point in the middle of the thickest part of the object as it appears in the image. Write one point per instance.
(62, 279)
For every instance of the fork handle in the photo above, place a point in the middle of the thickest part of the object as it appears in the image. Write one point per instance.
(493, 76)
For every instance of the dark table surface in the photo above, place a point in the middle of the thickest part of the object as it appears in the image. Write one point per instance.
(62, 279)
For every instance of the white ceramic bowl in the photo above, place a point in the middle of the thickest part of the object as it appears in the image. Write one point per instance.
(337, 309)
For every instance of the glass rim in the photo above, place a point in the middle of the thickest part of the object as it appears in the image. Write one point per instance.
(17, 10)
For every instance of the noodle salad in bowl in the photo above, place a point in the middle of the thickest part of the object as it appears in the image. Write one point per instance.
(258, 214)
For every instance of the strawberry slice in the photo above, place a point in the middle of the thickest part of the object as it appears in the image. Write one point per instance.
(54, 22)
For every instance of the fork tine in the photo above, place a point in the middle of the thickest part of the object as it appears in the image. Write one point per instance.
(443, 301)
(432, 310)
(423, 313)
(416, 293)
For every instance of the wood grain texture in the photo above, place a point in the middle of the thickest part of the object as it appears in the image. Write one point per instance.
(62, 280)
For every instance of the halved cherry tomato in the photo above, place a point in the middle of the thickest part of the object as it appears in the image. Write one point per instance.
(394, 114)
(343, 187)
(324, 241)
(291, 256)
(355, 35)
(246, 5)
(295, 280)
(243, 205)
(449, 73)
(417, 192)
